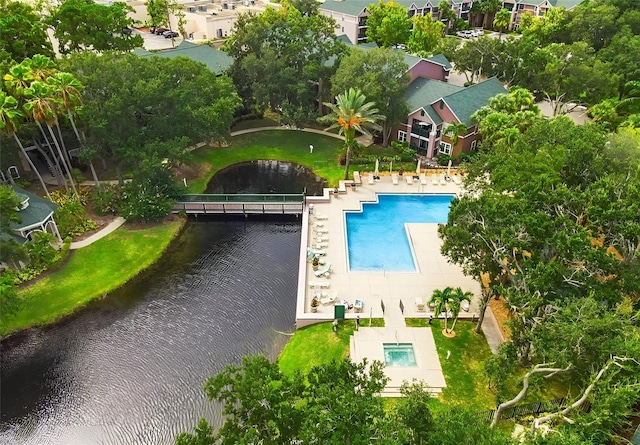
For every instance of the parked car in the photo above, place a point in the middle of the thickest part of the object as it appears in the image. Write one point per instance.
(161, 31)
(479, 31)
(171, 34)
(465, 34)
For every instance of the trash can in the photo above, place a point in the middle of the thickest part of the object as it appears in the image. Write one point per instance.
(338, 311)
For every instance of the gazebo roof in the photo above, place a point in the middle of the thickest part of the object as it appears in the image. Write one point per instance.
(35, 213)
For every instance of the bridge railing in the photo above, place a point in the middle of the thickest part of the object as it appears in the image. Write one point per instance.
(290, 198)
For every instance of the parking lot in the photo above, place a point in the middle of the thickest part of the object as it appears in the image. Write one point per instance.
(153, 41)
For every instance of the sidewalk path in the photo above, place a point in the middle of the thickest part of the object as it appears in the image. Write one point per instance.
(113, 225)
(492, 331)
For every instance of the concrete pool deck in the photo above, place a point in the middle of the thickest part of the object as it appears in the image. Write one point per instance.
(397, 292)
(374, 289)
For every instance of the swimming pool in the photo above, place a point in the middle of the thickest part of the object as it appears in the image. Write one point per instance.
(377, 238)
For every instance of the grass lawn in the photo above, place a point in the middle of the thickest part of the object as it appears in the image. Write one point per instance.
(318, 344)
(283, 145)
(90, 273)
(463, 371)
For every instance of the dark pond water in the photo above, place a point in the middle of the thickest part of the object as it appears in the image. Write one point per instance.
(266, 177)
(129, 369)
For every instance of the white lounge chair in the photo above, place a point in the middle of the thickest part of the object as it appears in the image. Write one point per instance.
(357, 306)
(371, 180)
(409, 179)
(434, 179)
(465, 306)
(322, 239)
(420, 305)
(318, 224)
(394, 179)
(321, 217)
(442, 180)
(315, 252)
(323, 270)
(456, 180)
(319, 284)
(321, 231)
(321, 245)
(423, 179)
(326, 300)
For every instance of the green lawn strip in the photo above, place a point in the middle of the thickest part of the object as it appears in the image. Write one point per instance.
(90, 273)
(317, 344)
(466, 382)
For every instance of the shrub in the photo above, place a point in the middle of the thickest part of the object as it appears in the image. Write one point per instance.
(149, 196)
(107, 199)
(444, 159)
(71, 220)
(406, 152)
(41, 252)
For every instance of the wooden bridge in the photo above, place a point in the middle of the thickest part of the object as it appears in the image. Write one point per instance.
(238, 204)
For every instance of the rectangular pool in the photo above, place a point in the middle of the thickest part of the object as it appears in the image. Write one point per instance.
(377, 238)
(399, 354)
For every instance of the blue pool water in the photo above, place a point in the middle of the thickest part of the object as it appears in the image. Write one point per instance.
(399, 354)
(377, 239)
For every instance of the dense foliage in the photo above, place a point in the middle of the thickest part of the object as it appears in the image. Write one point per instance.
(280, 60)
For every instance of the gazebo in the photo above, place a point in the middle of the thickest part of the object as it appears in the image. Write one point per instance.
(36, 214)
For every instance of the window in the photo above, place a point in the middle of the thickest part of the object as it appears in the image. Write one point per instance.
(423, 144)
(445, 148)
(474, 144)
(402, 136)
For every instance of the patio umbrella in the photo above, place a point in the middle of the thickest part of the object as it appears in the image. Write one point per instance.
(418, 168)
(376, 172)
(390, 166)
(449, 169)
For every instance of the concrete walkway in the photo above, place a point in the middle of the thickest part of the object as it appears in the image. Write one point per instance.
(113, 225)
(492, 331)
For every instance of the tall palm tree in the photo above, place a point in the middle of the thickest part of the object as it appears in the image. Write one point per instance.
(349, 114)
(68, 88)
(9, 118)
(17, 81)
(43, 107)
(440, 300)
(502, 20)
(454, 130)
(455, 303)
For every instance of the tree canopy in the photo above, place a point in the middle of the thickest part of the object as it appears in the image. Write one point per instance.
(280, 60)
(81, 25)
(388, 24)
(23, 32)
(381, 75)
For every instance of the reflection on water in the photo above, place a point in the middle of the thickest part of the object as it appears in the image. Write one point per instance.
(266, 177)
(129, 369)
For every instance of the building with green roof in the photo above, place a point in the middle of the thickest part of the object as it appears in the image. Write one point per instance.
(36, 214)
(434, 105)
(216, 60)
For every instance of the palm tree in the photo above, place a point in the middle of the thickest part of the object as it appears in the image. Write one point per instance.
(454, 130)
(349, 114)
(43, 107)
(9, 118)
(18, 80)
(440, 301)
(455, 303)
(502, 20)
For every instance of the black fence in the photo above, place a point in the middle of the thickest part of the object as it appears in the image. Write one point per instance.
(533, 408)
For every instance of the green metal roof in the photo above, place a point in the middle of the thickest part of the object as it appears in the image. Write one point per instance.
(469, 100)
(440, 59)
(423, 92)
(569, 4)
(216, 60)
(37, 211)
(350, 7)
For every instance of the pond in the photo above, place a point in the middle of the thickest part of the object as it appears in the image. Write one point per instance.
(129, 369)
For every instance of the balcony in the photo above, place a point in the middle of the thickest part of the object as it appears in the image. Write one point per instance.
(421, 129)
